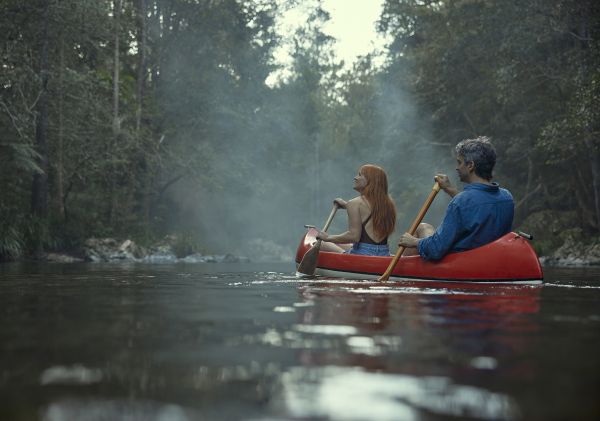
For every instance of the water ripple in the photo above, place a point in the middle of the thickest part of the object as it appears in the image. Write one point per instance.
(354, 394)
(573, 286)
(97, 410)
(75, 374)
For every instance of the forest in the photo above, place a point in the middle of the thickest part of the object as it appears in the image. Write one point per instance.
(145, 118)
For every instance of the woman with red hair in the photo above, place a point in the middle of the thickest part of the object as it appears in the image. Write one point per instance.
(371, 216)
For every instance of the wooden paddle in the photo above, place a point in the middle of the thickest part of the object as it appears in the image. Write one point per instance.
(309, 261)
(411, 231)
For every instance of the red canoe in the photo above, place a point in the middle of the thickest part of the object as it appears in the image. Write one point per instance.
(509, 259)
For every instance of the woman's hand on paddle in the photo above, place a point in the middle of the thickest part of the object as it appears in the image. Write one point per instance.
(407, 240)
(322, 236)
(340, 202)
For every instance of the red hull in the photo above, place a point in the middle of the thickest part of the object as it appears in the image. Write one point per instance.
(509, 259)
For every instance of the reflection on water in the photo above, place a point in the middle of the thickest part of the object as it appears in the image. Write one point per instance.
(355, 394)
(97, 410)
(206, 342)
(76, 374)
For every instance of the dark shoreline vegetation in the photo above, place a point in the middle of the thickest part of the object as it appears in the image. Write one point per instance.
(139, 119)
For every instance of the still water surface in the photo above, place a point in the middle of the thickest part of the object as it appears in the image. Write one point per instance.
(253, 342)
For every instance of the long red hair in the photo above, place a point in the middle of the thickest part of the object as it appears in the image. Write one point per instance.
(383, 209)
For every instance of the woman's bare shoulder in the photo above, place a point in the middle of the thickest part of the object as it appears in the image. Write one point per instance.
(357, 201)
(361, 204)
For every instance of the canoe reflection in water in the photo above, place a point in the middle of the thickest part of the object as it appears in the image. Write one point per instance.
(412, 347)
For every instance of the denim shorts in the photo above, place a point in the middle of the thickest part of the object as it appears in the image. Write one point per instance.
(369, 249)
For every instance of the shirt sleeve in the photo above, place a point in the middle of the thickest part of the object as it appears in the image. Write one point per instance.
(437, 245)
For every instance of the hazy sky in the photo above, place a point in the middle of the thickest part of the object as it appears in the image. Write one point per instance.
(352, 24)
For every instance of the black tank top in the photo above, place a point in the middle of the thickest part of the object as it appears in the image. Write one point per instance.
(365, 238)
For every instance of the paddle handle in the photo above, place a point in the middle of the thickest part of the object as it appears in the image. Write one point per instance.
(317, 245)
(327, 223)
(413, 228)
(331, 215)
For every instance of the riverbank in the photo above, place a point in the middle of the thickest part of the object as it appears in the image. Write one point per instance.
(561, 249)
(167, 250)
(574, 252)
(571, 253)
(559, 242)
(98, 250)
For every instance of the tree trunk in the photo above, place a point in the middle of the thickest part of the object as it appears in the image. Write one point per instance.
(116, 123)
(595, 181)
(141, 76)
(157, 51)
(584, 195)
(141, 87)
(522, 206)
(60, 208)
(593, 151)
(39, 190)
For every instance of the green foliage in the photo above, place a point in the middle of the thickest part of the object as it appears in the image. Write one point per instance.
(186, 244)
(549, 229)
(201, 58)
(521, 72)
(195, 119)
(37, 234)
(21, 235)
(11, 239)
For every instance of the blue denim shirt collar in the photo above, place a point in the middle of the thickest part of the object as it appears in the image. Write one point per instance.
(484, 187)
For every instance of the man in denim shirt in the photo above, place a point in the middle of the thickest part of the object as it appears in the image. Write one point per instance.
(480, 214)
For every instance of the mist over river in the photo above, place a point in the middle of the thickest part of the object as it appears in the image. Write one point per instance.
(250, 341)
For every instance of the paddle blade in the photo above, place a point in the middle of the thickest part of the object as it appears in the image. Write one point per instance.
(309, 261)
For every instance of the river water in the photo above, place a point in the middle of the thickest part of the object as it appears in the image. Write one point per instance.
(252, 342)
